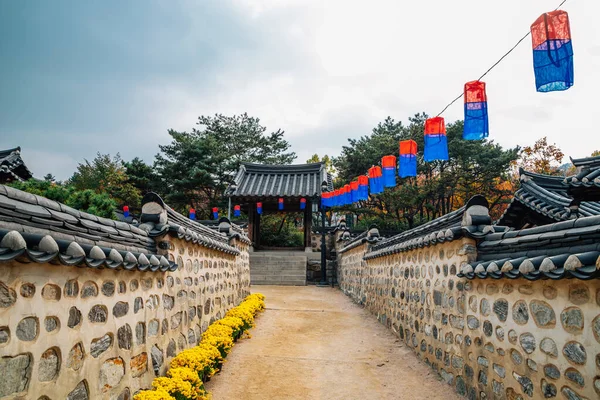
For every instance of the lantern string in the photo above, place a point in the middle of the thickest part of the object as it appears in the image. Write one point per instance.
(495, 64)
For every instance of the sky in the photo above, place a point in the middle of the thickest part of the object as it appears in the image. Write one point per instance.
(81, 77)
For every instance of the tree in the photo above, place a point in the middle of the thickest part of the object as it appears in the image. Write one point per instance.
(106, 174)
(196, 167)
(541, 158)
(142, 176)
(84, 200)
(328, 162)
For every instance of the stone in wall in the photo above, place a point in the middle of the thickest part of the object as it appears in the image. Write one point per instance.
(49, 365)
(89, 289)
(120, 309)
(108, 288)
(71, 288)
(139, 365)
(140, 333)
(51, 292)
(124, 337)
(81, 392)
(98, 314)
(16, 373)
(101, 344)
(27, 290)
(575, 353)
(572, 319)
(4, 335)
(51, 324)
(28, 329)
(543, 314)
(76, 357)
(111, 373)
(8, 296)
(74, 317)
(157, 359)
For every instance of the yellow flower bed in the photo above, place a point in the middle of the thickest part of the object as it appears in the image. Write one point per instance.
(192, 367)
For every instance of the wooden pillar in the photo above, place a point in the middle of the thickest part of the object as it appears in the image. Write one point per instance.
(257, 218)
(308, 224)
(251, 213)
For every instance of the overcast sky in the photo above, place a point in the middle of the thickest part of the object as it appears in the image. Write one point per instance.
(78, 77)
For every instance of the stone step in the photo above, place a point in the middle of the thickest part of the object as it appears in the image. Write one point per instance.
(259, 283)
(278, 278)
(274, 267)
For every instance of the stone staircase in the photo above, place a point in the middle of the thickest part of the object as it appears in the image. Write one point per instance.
(278, 268)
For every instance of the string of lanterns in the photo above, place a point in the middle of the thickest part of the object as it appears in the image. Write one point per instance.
(553, 69)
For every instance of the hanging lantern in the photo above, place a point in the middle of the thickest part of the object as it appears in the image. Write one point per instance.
(552, 52)
(354, 191)
(259, 208)
(436, 143)
(325, 196)
(389, 171)
(302, 203)
(215, 212)
(476, 113)
(363, 187)
(126, 211)
(192, 214)
(237, 211)
(347, 194)
(407, 165)
(280, 203)
(375, 180)
(337, 198)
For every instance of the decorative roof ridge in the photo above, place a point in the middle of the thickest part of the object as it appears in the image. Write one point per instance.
(586, 162)
(474, 222)
(158, 218)
(7, 152)
(23, 246)
(553, 198)
(27, 212)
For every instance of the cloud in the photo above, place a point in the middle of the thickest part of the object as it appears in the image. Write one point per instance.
(83, 77)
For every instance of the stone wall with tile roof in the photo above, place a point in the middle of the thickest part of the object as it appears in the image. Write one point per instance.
(141, 294)
(491, 309)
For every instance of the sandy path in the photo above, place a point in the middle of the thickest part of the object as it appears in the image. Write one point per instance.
(314, 343)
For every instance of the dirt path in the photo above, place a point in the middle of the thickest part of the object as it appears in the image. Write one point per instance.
(314, 343)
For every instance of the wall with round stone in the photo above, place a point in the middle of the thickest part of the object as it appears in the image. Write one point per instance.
(82, 333)
(489, 339)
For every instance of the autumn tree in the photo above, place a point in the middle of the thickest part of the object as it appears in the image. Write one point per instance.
(541, 158)
(106, 174)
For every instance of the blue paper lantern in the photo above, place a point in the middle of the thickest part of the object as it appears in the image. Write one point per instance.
(375, 180)
(476, 111)
(237, 211)
(436, 143)
(552, 52)
(389, 171)
(363, 187)
(407, 165)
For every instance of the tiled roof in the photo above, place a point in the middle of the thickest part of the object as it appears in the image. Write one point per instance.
(586, 184)
(158, 219)
(45, 230)
(12, 166)
(568, 249)
(301, 180)
(544, 199)
(471, 220)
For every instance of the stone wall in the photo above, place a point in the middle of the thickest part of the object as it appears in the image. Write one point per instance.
(85, 333)
(489, 339)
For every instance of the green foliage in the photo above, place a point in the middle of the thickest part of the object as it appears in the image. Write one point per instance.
(106, 174)
(141, 176)
(280, 230)
(86, 200)
(196, 167)
(474, 167)
(326, 159)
